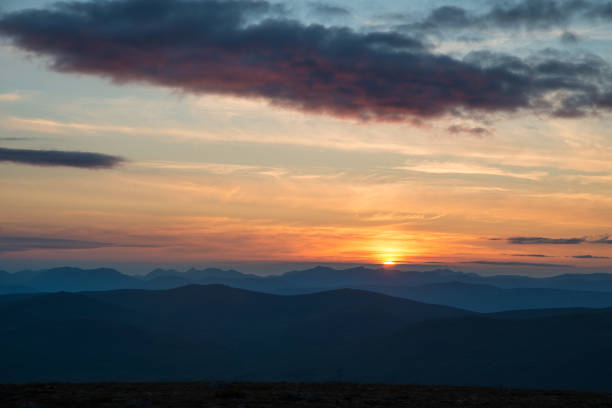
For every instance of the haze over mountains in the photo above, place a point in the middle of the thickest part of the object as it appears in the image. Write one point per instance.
(215, 332)
(446, 287)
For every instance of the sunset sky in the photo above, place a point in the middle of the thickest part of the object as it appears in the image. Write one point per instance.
(474, 134)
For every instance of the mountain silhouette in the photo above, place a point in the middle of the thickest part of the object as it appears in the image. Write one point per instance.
(193, 332)
(196, 274)
(216, 332)
(75, 279)
(489, 298)
(70, 279)
(445, 287)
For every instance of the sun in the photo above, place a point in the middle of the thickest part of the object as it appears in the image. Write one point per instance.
(388, 263)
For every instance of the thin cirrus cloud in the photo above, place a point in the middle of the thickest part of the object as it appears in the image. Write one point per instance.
(448, 168)
(15, 244)
(20, 243)
(500, 263)
(531, 255)
(590, 257)
(13, 139)
(86, 160)
(9, 97)
(242, 48)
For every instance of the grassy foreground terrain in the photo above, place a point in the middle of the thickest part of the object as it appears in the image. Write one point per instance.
(244, 395)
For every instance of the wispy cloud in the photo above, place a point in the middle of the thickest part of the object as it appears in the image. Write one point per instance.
(20, 243)
(13, 139)
(51, 126)
(59, 158)
(525, 14)
(590, 257)
(214, 168)
(602, 240)
(531, 255)
(549, 265)
(9, 97)
(436, 167)
(14, 244)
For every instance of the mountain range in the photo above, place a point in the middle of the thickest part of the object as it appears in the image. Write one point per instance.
(215, 332)
(446, 287)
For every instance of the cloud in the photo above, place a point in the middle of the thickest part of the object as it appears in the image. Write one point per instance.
(474, 131)
(439, 167)
(328, 10)
(537, 13)
(545, 241)
(9, 97)
(17, 244)
(238, 48)
(590, 257)
(519, 264)
(526, 14)
(13, 139)
(14, 244)
(531, 255)
(59, 158)
(569, 38)
(603, 240)
(556, 241)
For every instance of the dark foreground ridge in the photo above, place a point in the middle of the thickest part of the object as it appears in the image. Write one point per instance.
(214, 332)
(203, 394)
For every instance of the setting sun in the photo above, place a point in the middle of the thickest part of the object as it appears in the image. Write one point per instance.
(388, 263)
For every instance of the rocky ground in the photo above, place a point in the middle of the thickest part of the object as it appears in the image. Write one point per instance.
(245, 395)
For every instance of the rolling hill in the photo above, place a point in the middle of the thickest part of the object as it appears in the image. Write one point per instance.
(217, 332)
(203, 331)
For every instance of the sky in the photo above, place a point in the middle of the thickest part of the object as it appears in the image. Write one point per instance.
(268, 136)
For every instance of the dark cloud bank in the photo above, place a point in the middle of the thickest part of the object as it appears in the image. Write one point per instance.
(548, 241)
(237, 48)
(59, 158)
(557, 241)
